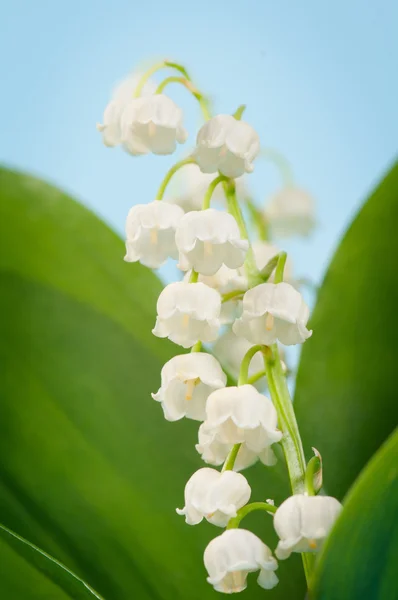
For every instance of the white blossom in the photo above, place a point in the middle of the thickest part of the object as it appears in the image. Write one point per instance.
(214, 496)
(291, 212)
(231, 556)
(187, 313)
(227, 145)
(186, 382)
(214, 452)
(273, 312)
(150, 233)
(208, 239)
(242, 415)
(303, 522)
(263, 252)
(122, 94)
(152, 124)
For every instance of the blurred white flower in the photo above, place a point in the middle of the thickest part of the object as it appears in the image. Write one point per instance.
(226, 145)
(231, 349)
(152, 124)
(242, 415)
(214, 496)
(187, 381)
(231, 556)
(208, 239)
(150, 233)
(188, 313)
(122, 93)
(290, 212)
(273, 312)
(189, 186)
(303, 522)
(214, 452)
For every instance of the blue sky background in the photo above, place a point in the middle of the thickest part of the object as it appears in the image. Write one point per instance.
(319, 80)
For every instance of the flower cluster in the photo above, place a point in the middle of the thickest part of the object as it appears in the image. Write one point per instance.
(231, 294)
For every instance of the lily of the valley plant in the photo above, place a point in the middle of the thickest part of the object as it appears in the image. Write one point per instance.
(235, 306)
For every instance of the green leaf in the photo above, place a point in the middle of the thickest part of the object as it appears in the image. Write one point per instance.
(346, 386)
(359, 559)
(90, 471)
(28, 572)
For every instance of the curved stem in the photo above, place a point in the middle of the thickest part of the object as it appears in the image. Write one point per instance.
(253, 276)
(191, 88)
(239, 112)
(245, 510)
(144, 78)
(186, 161)
(282, 164)
(194, 277)
(280, 267)
(245, 364)
(256, 377)
(230, 460)
(210, 191)
(232, 295)
(291, 440)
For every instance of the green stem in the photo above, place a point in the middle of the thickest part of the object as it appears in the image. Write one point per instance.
(147, 75)
(256, 377)
(252, 273)
(239, 112)
(282, 164)
(232, 295)
(186, 161)
(291, 441)
(245, 364)
(280, 267)
(210, 191)
(258, 219)
(245, 510)
(193, 278)
(197, 347)
(191, 88)
(230, 460)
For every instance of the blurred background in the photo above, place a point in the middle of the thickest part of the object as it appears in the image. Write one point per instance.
(317, 79)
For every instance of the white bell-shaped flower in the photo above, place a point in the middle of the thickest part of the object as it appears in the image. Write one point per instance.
(150, 233)
(242, 415)
(263, 252)
(214, 452)
(187, 380)
(187, 313)
(189, 186)
(273, 312)
(122, 94)
(152, 124)
(227, 145)
(303, 522)
(291, 212)
(208, 239)
(230, 557)
(214, 496)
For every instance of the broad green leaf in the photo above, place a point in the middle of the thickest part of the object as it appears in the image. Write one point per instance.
(28, 572)
(90, 471)
(346, 387)
(359, 560)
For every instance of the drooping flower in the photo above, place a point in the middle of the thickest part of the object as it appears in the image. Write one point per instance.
(150, 233)
(303, 522)
(208, 239)
(226, 145)
(187, 381)
(232, 555)
(242, 415)
(290, 212)
(187, 313)
(152, 124)
(121, 95)
(273, 312)
(214, 496)
(263, 252)
(214, 452)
